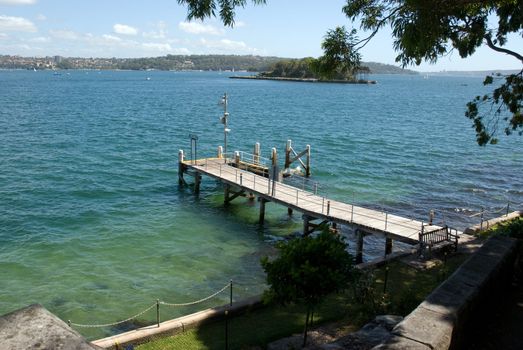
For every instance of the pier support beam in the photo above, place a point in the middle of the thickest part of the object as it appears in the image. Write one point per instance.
(388, 245)
(306, 220)
(262, 210)
(359, 246)
(227, 194)
(226, 191)
(289, 211)
(197, 182)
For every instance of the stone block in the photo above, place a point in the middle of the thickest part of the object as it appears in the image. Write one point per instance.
(428, 327)
(34, 327)
(400, 343)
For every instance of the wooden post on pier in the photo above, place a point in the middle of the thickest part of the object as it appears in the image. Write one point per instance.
(262, 210)
(388, 245)
(181, 181)
(220, 152)
(237, 159)
(256, 153)
(297, 157)
(288, 147)
(308, 162)
(359, 246)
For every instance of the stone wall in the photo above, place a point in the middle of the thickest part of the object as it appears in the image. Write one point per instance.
(438, 321)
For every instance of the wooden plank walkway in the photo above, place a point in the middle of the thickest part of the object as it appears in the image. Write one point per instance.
(312, 205)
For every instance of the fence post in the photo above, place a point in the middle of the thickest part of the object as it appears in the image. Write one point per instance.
(322, 204)
(226, 329)
(328, 207)
(241, 179)
(69, 323)
(230, 295)
(386, 220)
(296, 197)
(352, 213)
(158, 312)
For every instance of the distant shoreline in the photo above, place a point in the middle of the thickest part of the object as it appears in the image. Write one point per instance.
(305, 80)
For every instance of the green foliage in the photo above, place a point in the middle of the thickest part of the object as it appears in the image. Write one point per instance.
(308, 269)
(300, 68)
(201, 9)
(512, 228)
(406, 288)
(339, 56)
(339, 62)
(367, 294)
(509, 99)
(426, 31)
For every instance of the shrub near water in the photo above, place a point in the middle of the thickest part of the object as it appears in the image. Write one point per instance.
(512, 228)
(307, 270)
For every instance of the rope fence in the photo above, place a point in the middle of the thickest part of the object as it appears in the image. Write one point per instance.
(157, 305)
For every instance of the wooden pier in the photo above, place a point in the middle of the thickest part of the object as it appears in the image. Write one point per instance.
(250, 177)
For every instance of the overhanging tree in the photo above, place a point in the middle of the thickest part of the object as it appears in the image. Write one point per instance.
(307, 270)
(427, 30)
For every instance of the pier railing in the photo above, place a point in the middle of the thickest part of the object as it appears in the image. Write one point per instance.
(310, 201)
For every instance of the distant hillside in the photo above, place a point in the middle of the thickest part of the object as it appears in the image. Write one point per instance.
(169, 62)
(381, 68)
(479, 73)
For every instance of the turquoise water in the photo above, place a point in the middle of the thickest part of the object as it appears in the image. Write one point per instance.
(94, 226)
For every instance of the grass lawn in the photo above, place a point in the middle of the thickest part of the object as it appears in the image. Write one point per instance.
(406, 288)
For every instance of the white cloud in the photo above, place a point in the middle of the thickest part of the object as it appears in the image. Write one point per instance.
(239, 24)
(3, 36)
(40, 39)
(227, 46)
(124, 29)
(158, 47)
(41, 17)
(17, 2)
(64, 34)
(199, 28)
(111, 37)
(16, 24)
(159, 33)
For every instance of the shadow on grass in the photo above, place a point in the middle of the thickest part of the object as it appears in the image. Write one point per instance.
(406, 288)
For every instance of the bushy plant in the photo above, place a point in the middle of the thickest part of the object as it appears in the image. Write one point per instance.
(307, 270)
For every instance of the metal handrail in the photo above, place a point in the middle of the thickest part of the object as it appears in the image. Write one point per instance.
(243, 177)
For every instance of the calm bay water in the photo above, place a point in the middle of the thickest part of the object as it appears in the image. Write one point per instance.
(94, 226)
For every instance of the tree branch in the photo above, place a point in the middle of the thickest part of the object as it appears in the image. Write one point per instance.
(378, 27)
(503, 50)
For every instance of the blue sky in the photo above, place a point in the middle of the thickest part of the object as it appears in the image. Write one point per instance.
(118, 28)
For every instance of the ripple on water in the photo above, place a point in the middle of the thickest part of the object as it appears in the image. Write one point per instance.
(95, 227)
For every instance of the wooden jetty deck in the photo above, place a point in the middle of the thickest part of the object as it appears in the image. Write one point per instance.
(315, 207)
